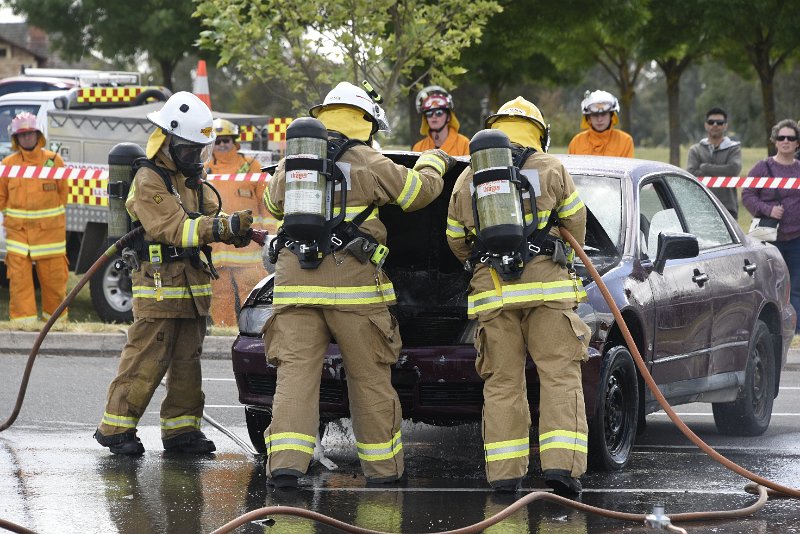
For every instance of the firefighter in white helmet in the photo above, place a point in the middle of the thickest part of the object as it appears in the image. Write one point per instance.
(599, 115)
(338, 290)
(439, 125)
(531, 312)
(171, 282)
(239, 268)
(35, 224)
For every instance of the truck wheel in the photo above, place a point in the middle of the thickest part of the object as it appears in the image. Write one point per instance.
(155, 95)
(112, 293)
(612, 430)
(258, 419)
(750, 413)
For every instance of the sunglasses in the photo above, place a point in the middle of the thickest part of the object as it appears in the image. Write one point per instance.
(435, 113)
(712, 122)
(223, 140)
(786, 138)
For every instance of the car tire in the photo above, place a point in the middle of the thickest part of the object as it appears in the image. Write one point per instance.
(155, 95)
(750, 413)
(112, 293)
(258, 419)
(612, 430)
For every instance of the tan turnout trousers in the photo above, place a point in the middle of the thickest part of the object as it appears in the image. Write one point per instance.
(557, 340)
(296, 341)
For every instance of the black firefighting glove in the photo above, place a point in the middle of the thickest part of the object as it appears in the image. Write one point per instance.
(437, 159)
(236, 225)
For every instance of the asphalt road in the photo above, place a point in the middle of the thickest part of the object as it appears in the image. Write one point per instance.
(55, 478)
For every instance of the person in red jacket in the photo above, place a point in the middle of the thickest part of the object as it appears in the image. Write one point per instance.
(35, 223)
(439, 123)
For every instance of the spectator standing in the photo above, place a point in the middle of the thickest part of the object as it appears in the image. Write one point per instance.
(717, 155)
(599, 137)
(35, 223)
(782, 204)
(439, 123)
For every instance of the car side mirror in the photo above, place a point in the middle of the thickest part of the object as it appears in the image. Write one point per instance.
(61, 102)
(673, 246)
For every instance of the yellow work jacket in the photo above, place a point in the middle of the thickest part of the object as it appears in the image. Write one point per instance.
(236, 196)
(34, 208)
(185, 290)
(543, 282)
(611, 142)
(341, 281)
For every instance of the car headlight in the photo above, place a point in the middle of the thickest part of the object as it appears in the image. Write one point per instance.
(252, 319)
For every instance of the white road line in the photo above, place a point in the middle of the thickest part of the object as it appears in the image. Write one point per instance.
(237, 406)
(230, 380)
(641, 448)
(709, 414)
(531, 490)
(788, 387)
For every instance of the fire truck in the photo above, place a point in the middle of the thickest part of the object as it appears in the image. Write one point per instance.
(83, 124)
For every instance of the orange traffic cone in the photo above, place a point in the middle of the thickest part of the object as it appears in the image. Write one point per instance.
(201, 83)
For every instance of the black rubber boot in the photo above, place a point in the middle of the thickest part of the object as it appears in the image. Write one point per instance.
(126, 443)
(562, 483)
(194, 442)
(510, 485)
(282, 481)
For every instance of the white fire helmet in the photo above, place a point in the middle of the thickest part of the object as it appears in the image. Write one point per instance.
(184, 115)
(599, 102)
(347, 94)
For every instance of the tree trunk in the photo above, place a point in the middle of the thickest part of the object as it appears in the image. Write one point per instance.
(673, 76)
(767, 78)
(167, 70)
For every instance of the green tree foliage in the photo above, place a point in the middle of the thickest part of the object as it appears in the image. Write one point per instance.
(164, 30)
(677, 34)
(311, 44)
(765, 34)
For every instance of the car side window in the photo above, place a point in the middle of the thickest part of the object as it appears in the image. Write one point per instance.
(701, 216)
(651, 202)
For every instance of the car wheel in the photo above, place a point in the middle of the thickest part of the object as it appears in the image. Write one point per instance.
(750, 413)
(112, 293)
(258, 419)
(613, 427)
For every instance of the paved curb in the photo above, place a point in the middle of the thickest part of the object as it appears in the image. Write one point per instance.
(99, 345)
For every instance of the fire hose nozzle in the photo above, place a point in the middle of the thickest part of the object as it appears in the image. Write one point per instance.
(658, 519)
(259, 236)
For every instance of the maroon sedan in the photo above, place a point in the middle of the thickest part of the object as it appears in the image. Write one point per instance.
(708, 307)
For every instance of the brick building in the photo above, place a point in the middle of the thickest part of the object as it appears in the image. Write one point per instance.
(21, 46)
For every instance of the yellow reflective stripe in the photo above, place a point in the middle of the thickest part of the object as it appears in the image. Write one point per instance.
(430, 160)
(373, 452)
(332, 296)
(263, 221)
(410, 190)
(530, 292)
(542, 217)
(352, 211)
(180, 422)
(503, 450)
(455, 229)
(273, 209)
(48, 249)
(220, 257)
(200, 290)
(119, 420)
(190, 236)
(17, 247)
(148, 292)
(571, 205)
(290, 441)
(35, 214)
(23, 319)
(564, 439)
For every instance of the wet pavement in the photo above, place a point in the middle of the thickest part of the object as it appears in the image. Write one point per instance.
(54, 478)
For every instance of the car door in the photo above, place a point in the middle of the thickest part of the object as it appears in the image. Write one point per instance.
(682, 295)
(732, 274)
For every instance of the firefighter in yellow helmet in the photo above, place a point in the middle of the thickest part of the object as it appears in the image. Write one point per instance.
(171, 283)
(333, 286)
(600, 110)
(525, 305)
(35, 224)
(239, 268)
(439, 125)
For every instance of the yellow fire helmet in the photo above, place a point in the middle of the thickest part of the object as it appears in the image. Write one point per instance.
(507, 119)
(225, 127)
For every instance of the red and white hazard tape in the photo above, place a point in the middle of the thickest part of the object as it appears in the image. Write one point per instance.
(96, 172)
(760, 182)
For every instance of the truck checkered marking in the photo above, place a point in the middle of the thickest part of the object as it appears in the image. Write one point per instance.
(276, 128)
(247, 133)
(110, 94)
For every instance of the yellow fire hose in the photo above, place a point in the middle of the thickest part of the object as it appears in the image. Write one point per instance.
(758, 486)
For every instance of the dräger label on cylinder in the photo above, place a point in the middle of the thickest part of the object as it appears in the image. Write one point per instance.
(493, 188)
(300, 175)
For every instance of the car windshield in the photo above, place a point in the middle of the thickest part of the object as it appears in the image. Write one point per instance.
(602, 196)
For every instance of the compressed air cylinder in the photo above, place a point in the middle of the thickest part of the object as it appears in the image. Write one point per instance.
(306, 203)
(497, 198)
(120, 159)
